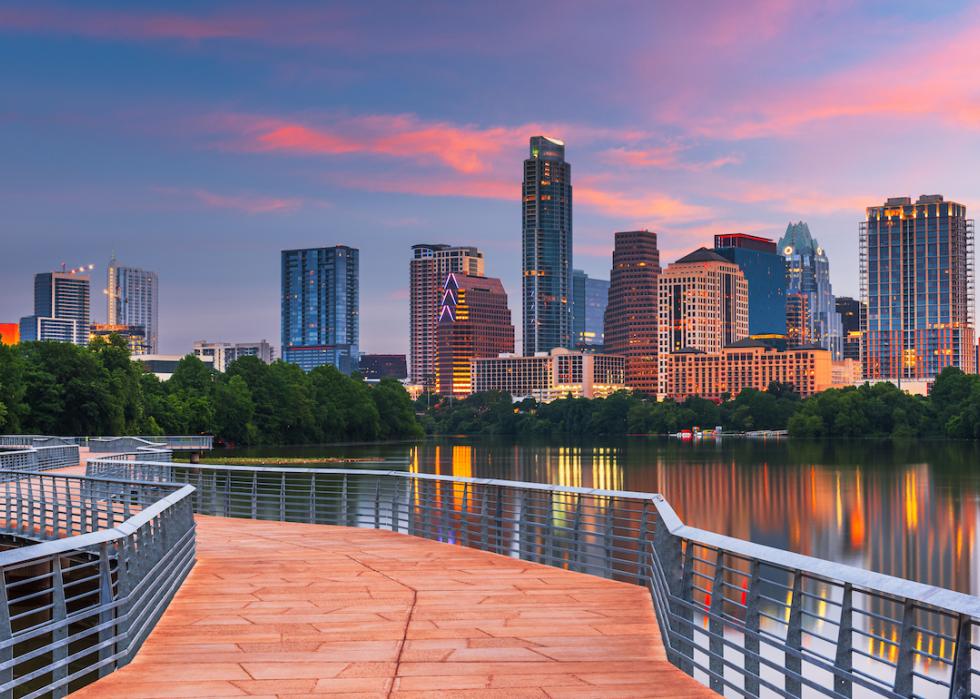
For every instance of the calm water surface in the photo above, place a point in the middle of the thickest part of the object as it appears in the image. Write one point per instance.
(909, 510)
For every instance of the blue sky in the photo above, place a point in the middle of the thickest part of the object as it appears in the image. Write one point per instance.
(199, 139)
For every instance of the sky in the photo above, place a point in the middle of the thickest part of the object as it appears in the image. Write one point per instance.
(200, 139)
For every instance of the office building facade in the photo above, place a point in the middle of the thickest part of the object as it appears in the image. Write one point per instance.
(428, 269)
(9, 333)
(745, 364)
(917, 277)
(374, 367)
(547, 247)
(132, 299)
(134, 336)
(704, 305)
(812, 316)
(62, 303)
(224, 353)
(765, 272)
(320, 307)
(850, 319)
(589, 299)
(474, 321)
(549, 376)
(632, 315)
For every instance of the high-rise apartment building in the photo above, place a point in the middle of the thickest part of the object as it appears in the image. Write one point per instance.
(62, 302)
(811, 316)
(589, 299)
(320, 307)
(917, 281)
(474, 321)
(704, 305)
(547, 247)
(765, 271)
(850, 318)
(132, 300)
(224, 353)
(428, 269)
(631, 319)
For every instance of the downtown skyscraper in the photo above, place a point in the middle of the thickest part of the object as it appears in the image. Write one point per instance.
(589, 299)
(320, 307)
(631, 318)
(917, 280)
(811, 309)
(132, 298)
(428, 269)
(62, 304)
(547, 247)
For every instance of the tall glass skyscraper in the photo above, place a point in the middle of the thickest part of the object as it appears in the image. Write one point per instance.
(917, 284)
(62, 302)
(132, 300)
(589, 299)
(320, 307)
(765, 271)
(547, 247)
(811, 309)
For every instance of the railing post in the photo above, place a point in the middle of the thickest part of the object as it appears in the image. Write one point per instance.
(6, 632)
(484, 529)
(344, 517)
(412, 497)
(255, 494)
(577, 535)
(677, 570)
(105, 613)
(282, 497)
(794, 637)
(960, 679)
(716, 629)
(750, 658)
(464, 533)
(844, 658)
(499, 519)
(607, 540)
(395, 503)
(59, 634)
(641, 576)
(377, 504)
(904, 665)
(313, 498)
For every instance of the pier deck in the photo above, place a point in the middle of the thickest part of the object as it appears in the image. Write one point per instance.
(278, 609)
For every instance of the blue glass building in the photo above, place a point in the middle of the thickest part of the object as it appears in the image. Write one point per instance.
(320, 307)
(547, 247)
(589, 299)
(765, 271)
(811, 308)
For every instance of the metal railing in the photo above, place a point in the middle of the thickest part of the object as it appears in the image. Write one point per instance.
(81, 602)
(40, 458)
(748, 620)
(109, 444)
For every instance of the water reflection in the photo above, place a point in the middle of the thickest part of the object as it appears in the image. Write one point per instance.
(904, 510)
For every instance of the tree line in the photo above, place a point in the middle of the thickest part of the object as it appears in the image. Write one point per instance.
(881, 410)
(64, 389)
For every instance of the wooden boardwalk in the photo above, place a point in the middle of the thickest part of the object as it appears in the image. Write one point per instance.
(278, 609)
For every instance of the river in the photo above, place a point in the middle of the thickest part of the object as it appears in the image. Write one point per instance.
(905, 509)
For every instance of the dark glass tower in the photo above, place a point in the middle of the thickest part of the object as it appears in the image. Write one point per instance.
(547, 247)
(320, 310)
(589, 299)
(765, 271)
(811, 310)
(850, 317)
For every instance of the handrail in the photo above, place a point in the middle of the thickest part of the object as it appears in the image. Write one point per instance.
(756, 602)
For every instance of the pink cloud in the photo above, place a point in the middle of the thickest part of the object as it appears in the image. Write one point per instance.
(924, 80)
(250, 204)
(653, 207)
(664, 157)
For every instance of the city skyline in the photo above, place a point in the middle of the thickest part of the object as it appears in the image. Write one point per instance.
(233, 132)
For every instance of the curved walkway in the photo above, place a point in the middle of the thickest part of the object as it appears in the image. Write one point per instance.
(279, 609)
